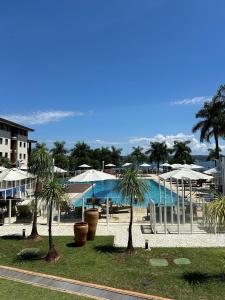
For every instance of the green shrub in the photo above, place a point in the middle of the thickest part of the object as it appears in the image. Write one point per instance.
(23, 211)
(30, 254)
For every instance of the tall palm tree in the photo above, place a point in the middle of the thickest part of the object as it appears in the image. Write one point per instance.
(132, 187)
(59, 154)
(41, 165)
(53, 193)
(115, 155)
(4, 161)
(212, 153)
(138, 154)
(159, 152)
(213, 120)
(82, 153)
(215, 211)
(59, 148)
(182, 152)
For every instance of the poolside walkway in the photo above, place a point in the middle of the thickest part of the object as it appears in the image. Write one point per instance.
(70, 286)
(140, 234)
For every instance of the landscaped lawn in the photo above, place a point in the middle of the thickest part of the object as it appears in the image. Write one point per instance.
(10, 290)
(99, 262)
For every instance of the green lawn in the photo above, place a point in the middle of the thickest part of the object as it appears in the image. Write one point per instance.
(10, 290)
(99, 262)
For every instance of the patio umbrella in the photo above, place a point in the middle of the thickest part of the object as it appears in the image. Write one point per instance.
(2, 168)
(211, 171)
(59, 170)
(176, 166)
(110, 165)
(196, 167)
(145, 165)
(166, 165)
(92, 176)
(185, 174)
(13, 175)
(127, 164)
(84, 166)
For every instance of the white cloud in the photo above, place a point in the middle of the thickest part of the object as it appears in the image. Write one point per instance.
(42, 117)
(195, 145)
(104, 142)
(191, 101)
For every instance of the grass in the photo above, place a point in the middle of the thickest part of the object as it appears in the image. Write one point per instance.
(20, 291)
(101, 263)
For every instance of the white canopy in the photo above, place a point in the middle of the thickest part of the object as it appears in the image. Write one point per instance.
(127, 164)
(196, 167)
(110, 165)
(145, 165)
(176, 166)
(2, 168)
(185, 174)
(211, 171)
(13, 175)
(59, 170)
(84, 166)
(166, 165)
(92, 175)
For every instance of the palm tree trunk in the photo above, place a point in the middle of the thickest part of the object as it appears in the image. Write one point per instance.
(217, 146)
(130, 248)
(34, 233)
(158, 166)
(52, 252)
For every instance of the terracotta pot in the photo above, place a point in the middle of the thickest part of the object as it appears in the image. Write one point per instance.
(91, 217)
(80, 232)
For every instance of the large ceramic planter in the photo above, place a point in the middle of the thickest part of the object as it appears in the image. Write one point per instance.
(91, 217)
(80, 232)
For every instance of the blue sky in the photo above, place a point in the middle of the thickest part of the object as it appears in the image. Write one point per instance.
(110, 72)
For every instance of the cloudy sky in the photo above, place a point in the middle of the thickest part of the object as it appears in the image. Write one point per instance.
(120, 73)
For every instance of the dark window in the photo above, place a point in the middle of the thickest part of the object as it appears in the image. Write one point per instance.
(24, 156)
(0, 154)
(24, 145)
(20, 144)
(0, 141)
(20, 156)
(6, 155)
(6, 141)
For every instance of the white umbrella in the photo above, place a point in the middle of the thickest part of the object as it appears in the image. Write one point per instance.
(165, 165)
(110, 165)
(145, 165)
(2, 168)
(185, 174)
(13, 175)
(196, 167)
(211, 171)
(92, 175)
(84, 166)
(59, 170)
(127, 164)
(176, 166)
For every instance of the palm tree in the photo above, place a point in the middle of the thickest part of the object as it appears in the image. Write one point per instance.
(159, 152)
(41, 165)
(138, 154)
(81, 153)
(59, 148)
(59, 154)
(4, 161)
(115, 155)
(53, 193)
(215, 211)
(132, 187)
(212, 153)
(182, 152)
(213, 120)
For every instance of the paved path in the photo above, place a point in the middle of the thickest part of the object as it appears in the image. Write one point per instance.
(72, 286)
(120, 233)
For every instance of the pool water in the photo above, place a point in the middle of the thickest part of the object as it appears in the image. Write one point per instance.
(107, 189)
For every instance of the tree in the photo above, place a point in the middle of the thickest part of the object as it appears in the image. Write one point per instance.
(82, 153)
(138, 155)
(213, 119)
(59, 152)
(212, 154)
(53, 194)
(182, 152)
(115, 155)
(41, 165)
(215, 211)
(132, 187)
(4, 161)
(159, 152)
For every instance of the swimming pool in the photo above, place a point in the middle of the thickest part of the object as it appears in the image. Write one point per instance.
(107, 189)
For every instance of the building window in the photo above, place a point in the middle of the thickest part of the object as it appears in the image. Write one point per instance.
(20, 156)
(6, 141)
(6, 155)
(0, 141)
(24, 156)
(20, 144)
(24, 145)
(0, 154)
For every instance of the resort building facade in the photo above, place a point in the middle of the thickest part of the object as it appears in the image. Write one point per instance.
(14, 142)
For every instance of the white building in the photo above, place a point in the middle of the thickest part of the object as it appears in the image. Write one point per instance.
(14, 142)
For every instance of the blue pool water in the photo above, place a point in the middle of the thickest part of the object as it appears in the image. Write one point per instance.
(107, 189)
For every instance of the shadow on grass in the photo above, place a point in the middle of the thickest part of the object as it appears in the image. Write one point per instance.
(108, 249)
(198, 278)
(14, 237)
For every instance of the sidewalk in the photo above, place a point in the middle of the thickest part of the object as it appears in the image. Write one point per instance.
(70, 286)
